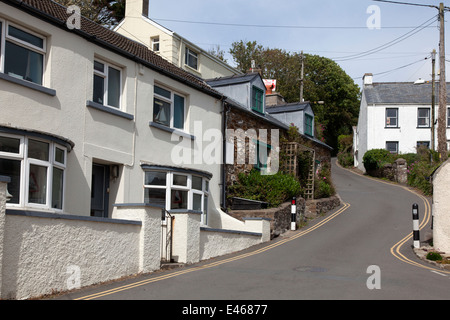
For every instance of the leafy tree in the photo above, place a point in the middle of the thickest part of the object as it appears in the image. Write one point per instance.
(105, 12)
(324, 80)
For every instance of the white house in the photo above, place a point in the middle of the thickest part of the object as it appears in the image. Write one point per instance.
(168, 44)
(395, 116)
(90, 122)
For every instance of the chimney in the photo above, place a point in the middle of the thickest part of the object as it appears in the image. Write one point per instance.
(367, 79)
(137, 8)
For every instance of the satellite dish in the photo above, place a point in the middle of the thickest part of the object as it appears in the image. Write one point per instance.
(419, 81)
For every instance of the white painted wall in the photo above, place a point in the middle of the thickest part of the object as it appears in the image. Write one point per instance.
(441, 208)
(172, 45)
(372, 133)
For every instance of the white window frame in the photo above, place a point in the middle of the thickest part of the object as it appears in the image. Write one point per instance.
(427, 123)
(396, 143)
(4, 36)
(154, 41)
(396, 117)
(171, 101)
(105, 76)
(189, 52)
(170, 186)
(25, 165)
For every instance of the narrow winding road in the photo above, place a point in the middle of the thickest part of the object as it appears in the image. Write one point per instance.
(365, 241)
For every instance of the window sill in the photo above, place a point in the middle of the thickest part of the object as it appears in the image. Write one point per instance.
(172, 130)
(28, 84)
(392, 127)
(418, 127)
(109, 110)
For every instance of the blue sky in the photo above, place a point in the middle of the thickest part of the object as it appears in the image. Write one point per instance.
(335, 29)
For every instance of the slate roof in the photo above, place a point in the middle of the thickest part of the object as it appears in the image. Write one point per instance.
(401, 93)
(57, 15)
(288, 107)
(234, 79)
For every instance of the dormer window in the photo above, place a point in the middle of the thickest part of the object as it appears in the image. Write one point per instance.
(191, 58)
(257, 99)
(155, 43)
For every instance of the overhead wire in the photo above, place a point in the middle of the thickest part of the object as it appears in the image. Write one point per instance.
(390, 43)
(395, 69)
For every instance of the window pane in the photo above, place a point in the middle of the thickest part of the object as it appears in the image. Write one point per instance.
(179, 180)
(23, 63)
(155, 178)
(99, 66)
(37, 188)
(392, 147)
(391, 112)
(178, 199)
(178, 117)
(38, 150)
(196, 183)
(113, 87)
(99, 89)
(57, 188)
(161, 112)
(163, 92)
(10, 145)
(60, 156)
(197, 202)
(25, 36)
(205, 210)
(155, 196)
(11, 168)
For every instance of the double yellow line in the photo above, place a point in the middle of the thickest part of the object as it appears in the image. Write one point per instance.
(217, 263)
(395, 250)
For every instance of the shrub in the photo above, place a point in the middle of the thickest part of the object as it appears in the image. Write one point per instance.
(434, 256)
(419, 173)
(323, 186)
(376, 158)
(345, 159)
(273, 189)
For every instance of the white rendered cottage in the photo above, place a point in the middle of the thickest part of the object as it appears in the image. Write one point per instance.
(89, 123)
(395, 116)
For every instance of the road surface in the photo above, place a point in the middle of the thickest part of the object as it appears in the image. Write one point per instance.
(362, 250)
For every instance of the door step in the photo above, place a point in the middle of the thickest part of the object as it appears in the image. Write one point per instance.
(171, 265)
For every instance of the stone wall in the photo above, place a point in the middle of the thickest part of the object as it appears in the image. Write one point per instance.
(280, 217)
(238, 119)
(316, 207)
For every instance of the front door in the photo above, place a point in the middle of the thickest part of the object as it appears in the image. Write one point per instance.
(99, 191)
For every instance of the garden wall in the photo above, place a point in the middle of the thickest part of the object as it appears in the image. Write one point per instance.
(280, 217)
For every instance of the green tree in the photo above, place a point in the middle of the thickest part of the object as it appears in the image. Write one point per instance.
(105, 12)
(324, 80)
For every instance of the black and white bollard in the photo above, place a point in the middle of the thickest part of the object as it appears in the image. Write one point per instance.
(416, 232)
(293, 214)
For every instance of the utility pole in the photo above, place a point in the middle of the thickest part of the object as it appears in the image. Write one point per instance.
(442, 112)
(301, 77)
(433, 98)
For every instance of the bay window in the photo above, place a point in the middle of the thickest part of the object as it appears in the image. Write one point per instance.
(177, 191)
(36, 168)
(22, 53)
